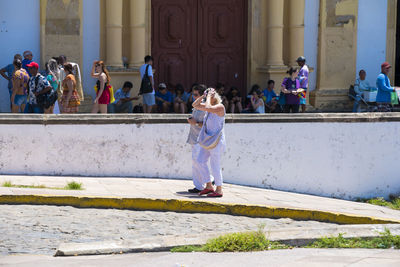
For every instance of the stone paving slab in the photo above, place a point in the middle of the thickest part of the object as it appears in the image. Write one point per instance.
(167, 190)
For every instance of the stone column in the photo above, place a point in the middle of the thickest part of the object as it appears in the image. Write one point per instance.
(275, 32)
(114, 33)
(296, 29)
(138, 32)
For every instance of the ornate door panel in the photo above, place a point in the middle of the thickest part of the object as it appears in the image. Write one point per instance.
(200, 41)
(222, 41)
(174, 41)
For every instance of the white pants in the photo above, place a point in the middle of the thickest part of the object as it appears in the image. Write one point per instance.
(214, 155)
(197, 179)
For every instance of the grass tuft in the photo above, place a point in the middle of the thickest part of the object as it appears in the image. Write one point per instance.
(235, 242)
(384, 241)
(7, 184)
(74, 186)
(380, 201)
(70, 186)
(256, 241)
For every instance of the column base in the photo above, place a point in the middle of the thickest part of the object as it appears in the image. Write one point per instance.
(274, 72)
(331, 100)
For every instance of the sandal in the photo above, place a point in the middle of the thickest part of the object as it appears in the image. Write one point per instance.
(206, 191)
(215, 194)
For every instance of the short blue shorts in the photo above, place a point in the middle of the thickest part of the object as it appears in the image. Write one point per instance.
(149, 99)
(20, 100)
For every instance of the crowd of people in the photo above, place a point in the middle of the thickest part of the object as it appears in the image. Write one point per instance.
(58, 89)
(177, 99)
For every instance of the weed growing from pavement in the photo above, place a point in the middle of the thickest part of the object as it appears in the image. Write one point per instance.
(74, 186)
(69, 186)
(256, 241)
(235, 242)
(384, 241)
(394, 203)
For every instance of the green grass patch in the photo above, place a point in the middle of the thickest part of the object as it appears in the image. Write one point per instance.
(74, 186)
(394, 203)
(384, 241)
(235, 242)
(7, 184)
(69, 186)
(256, 241)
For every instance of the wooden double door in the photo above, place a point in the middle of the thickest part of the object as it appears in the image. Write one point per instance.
(203, 41)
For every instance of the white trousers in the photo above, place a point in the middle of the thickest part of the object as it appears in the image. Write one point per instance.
(197, 179)
(214, 156)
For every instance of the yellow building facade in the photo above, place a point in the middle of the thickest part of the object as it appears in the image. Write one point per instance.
(276, 35)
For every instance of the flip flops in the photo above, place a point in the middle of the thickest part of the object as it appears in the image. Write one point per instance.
(215, 194)
(206, 191)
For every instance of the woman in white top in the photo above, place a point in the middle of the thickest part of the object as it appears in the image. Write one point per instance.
(257, 102)
(212, 141)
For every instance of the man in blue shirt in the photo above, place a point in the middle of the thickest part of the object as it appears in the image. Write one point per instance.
(164, 98)
(8, 71)
(148, 98)
(123, 100)
(270, 97)
(383, 99)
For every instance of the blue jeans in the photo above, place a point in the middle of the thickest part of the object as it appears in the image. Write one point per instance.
(356, 106)
(33, 108)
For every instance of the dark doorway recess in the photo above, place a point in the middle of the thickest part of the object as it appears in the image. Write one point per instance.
(203, 41)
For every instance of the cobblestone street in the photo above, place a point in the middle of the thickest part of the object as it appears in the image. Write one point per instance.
(40, 229)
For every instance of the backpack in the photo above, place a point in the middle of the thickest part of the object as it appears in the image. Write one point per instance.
(48, 99)
(145, 86)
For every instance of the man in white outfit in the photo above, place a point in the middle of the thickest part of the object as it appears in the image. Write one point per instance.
(196, 122)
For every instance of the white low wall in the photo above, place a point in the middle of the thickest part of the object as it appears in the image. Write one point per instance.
(343, 160)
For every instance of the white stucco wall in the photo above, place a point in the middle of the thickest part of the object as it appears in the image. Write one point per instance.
(344, 160)
(371, 37)
(91, 42)
(18, 33)
(311, 22)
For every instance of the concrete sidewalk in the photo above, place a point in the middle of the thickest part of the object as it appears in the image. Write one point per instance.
(171, 195)
(295, 257)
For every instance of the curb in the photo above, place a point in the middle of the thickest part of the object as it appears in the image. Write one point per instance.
(187, 206)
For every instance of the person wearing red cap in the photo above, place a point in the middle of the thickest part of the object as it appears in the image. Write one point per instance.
(383, 99)
(38, 85)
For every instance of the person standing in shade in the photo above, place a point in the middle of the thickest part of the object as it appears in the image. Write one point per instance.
(70, 99)
(303, 77)
(196, 123)
(148, 98)
(212, 141)
(28, 57)
(38, 85)
(383, 99)
(291, 89)
(20, 82)
(53, 77)
(8, 71)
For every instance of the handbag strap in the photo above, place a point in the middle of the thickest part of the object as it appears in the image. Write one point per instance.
(146, 74)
